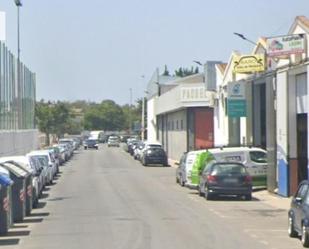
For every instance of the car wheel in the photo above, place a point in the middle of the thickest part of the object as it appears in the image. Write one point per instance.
(291, 230)
(144, 162)
(85, 148)
(305, 236)
(248, 197)
(182, 183)
(177, 180)
(208, 196)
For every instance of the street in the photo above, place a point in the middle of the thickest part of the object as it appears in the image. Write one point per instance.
(106, 199)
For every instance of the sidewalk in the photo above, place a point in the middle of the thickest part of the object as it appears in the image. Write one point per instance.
(273, 200)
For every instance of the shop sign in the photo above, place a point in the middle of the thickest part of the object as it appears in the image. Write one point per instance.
(236, 99)
(285, 45)
(249, 63)
(194, 94)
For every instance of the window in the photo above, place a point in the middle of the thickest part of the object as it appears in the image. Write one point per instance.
(181, 124)
(302, 191)
(258, 156)
(177, 125)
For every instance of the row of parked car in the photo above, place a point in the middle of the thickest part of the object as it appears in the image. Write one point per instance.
(147, 152)
(23, 178)
(223, 171)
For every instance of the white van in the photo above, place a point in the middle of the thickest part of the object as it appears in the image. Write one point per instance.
(183, 172)
(254, 159)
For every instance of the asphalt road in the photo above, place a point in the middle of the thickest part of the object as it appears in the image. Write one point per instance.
(106, 199)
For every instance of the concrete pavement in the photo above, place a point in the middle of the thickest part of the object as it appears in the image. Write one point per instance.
(106, 199)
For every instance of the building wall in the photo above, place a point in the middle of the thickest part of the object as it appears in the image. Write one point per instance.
(18, 142)
(282, 133)
(151, 120)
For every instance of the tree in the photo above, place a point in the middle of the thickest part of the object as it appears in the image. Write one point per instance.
(183, 72)
(166, 72)
(105, 116)
(53, 118)
(44, 118)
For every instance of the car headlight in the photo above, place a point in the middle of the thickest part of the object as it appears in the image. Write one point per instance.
(149, 152)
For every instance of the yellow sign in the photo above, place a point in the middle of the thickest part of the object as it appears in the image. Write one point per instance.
(249, 63)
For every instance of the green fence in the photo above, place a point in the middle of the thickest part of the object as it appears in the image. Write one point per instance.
(17, 93)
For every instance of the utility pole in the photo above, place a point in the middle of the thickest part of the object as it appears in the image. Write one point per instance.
(130, 111)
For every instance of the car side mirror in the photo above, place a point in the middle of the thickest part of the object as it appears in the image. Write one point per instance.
(298, 200)
(177, 163)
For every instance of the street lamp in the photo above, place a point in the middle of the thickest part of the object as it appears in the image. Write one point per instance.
(244, 38)
(18, 3)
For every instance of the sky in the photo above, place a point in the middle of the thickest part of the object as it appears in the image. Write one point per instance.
(97, 50)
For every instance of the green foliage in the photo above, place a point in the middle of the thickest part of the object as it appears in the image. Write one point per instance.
(53, 118)
(166, 72)
(183, 72)
(64, 117)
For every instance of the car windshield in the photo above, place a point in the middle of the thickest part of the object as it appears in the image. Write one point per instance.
(43, 159)
(91, 141)
(258, 156)
(226, 169)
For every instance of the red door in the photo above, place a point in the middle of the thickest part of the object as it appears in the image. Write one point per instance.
(204, 128)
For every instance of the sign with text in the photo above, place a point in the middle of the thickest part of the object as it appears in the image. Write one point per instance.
(285, 45)
(236, 99)
(249, 63)
(194, 94)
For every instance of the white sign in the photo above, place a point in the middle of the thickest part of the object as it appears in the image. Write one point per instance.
(2, 26)
(236, 90)
(285, 45)
(194, 94)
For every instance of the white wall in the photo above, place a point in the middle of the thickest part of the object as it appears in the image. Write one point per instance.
(151, 120)
(18, 142)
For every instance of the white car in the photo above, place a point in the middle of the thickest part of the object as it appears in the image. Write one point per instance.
(52, 167)
(113, 141)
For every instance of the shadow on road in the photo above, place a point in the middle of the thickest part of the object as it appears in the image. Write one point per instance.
(17, 233)
(42, 214)
(9, 242)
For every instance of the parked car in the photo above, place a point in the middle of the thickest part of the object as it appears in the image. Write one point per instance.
(50, 158)
(138, 150)
(154, 155)
(225, 178)
(91, 144)
(113, 141)
(131, 146)
(184, 169)
(298, 215)
(47, 169)
(141, 147)
(254, 159)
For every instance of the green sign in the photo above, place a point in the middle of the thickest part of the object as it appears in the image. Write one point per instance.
(236, 108)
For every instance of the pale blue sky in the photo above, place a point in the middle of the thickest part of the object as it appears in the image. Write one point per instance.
(95, 50)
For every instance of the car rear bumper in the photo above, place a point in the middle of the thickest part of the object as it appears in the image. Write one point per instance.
(230, 190)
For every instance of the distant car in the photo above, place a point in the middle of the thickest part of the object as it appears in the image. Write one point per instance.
(298, 214)
(154, 155)
(225, 178)
(91, 144)
(113, 141)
